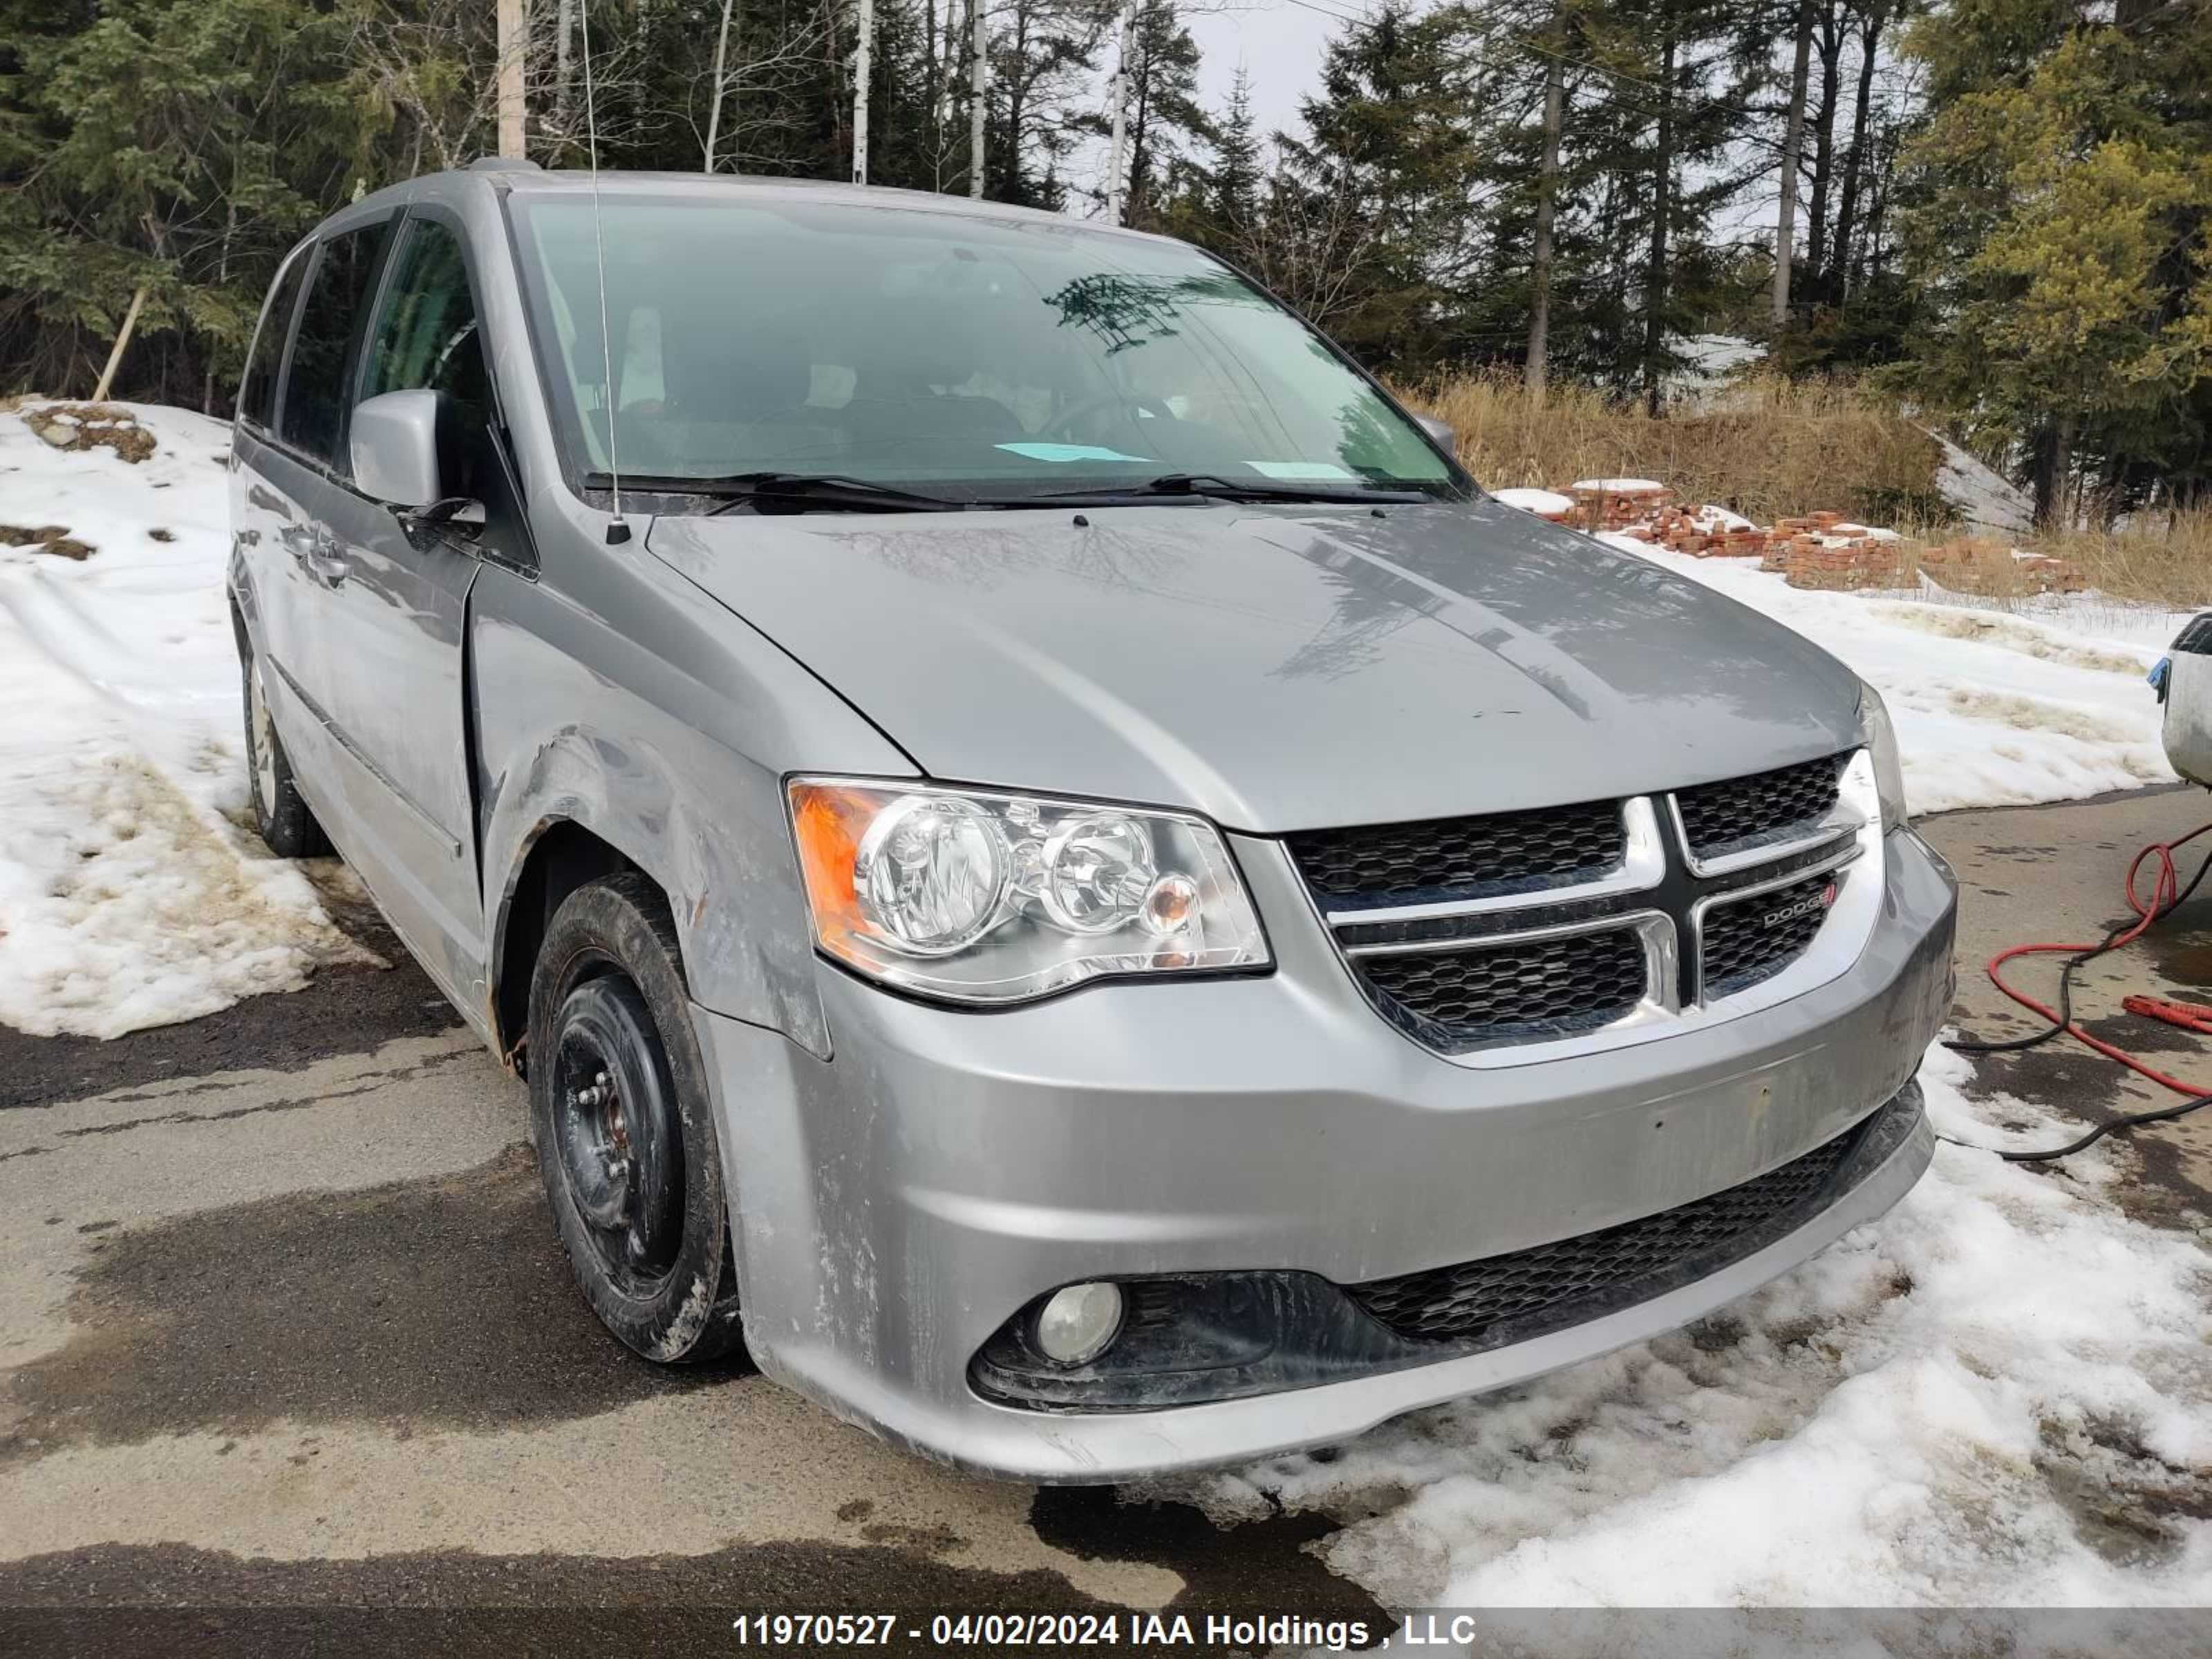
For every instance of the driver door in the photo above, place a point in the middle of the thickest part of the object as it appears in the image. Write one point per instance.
(394, 675)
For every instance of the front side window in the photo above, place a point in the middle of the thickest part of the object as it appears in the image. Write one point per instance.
(426, 337)
(964, 356)
(315, 390)
(256, 390)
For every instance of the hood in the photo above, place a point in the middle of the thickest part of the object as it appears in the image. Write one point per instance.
(1276, 668)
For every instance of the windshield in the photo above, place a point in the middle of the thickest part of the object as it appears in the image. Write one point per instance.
(959, 354)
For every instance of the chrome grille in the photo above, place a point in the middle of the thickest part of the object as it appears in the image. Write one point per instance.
(1462, 858)
(1455, 999)
(1572, 924)
(1722, 819)
(1514, 1296)
(1743, 941)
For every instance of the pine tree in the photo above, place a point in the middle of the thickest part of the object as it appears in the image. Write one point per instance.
(1382, 186)
(168, 146)
(2062, 193)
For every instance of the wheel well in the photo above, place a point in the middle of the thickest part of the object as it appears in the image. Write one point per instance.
(564, 857)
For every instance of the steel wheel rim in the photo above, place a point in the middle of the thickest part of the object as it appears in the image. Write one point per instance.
(618, 1134)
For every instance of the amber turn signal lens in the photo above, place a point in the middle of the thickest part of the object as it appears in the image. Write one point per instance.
(829, 822)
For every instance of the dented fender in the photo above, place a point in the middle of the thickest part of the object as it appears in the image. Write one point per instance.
(615, 696)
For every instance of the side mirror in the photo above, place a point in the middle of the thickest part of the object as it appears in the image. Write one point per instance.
(397, 447)
(1439, 434)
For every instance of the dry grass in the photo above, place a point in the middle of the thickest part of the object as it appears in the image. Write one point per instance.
(2165, 560)
(1766, 449)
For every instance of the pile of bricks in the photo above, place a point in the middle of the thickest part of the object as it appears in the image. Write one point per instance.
(1616, 509)
(2050, 575)
(1973, 562)
(1820, 550)
(1681, 531)
(1855, 563)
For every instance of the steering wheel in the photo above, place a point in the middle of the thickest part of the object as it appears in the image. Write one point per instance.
(1104, 400)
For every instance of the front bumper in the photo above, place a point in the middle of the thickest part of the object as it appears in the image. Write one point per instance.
(897, 1204)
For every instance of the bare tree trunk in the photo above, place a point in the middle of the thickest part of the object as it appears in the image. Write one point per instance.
(1855, 159)
(864, 54)
(1117, 163)
(1830, 43)
(978, 82)
(715, 103)
(564, 33)
(514, 48)
(2054, 460)
(122, 341)
(1793, 143)
(1655, 278)
(1548, 192)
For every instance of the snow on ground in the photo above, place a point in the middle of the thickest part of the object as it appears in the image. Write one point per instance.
(130, 895)
(1998, 1396)
(1993, 707)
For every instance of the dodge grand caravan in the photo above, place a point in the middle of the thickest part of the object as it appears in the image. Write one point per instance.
(1053, 865)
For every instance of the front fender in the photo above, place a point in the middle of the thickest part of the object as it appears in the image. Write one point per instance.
(674, 755)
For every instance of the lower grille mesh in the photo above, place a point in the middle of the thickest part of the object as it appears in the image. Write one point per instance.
(1457, 1000)
(1512, 1298)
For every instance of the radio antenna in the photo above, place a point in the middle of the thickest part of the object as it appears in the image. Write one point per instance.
(618, 531)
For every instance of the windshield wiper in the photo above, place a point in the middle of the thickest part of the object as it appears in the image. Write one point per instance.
(800, 490)
(1212, 486)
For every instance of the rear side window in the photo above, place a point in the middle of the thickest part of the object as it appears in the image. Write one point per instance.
(315, 392)
(256, 393)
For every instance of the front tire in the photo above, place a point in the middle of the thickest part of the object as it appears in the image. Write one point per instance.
(626, 1142)
(279, 813)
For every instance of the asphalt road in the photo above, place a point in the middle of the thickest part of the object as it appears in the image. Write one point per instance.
(284, 1326)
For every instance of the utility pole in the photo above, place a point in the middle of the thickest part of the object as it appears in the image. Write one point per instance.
(864, 55)
(514, 47)
(1793, 143)
(1118, 165)
(979, 82)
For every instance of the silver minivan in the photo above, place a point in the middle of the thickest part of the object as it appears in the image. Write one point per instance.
(1055, 866)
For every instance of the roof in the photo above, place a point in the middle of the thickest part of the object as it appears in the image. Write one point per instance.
(529, 180)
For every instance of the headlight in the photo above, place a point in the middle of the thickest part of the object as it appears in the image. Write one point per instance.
(986, 897)
(1880, 737)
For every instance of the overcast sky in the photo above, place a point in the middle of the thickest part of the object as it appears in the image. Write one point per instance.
(1279, 45)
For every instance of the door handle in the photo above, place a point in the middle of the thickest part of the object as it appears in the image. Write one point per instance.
(326, 561)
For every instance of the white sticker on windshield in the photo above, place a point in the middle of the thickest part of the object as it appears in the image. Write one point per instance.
(1068, 453)
(1300, 469)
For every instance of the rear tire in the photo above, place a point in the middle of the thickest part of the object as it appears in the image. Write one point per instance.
(280, 814)
(626, 1141)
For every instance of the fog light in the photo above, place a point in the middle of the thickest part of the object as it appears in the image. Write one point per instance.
(1075, 1325)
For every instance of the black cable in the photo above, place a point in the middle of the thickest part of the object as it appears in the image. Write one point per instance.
(2158, 1115)
(2010, 1045)
(2013, 1045)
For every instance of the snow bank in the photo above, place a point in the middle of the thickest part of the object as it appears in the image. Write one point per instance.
(1619, 486)
(1999, 1395)
(130, 895)
(1992, 708)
